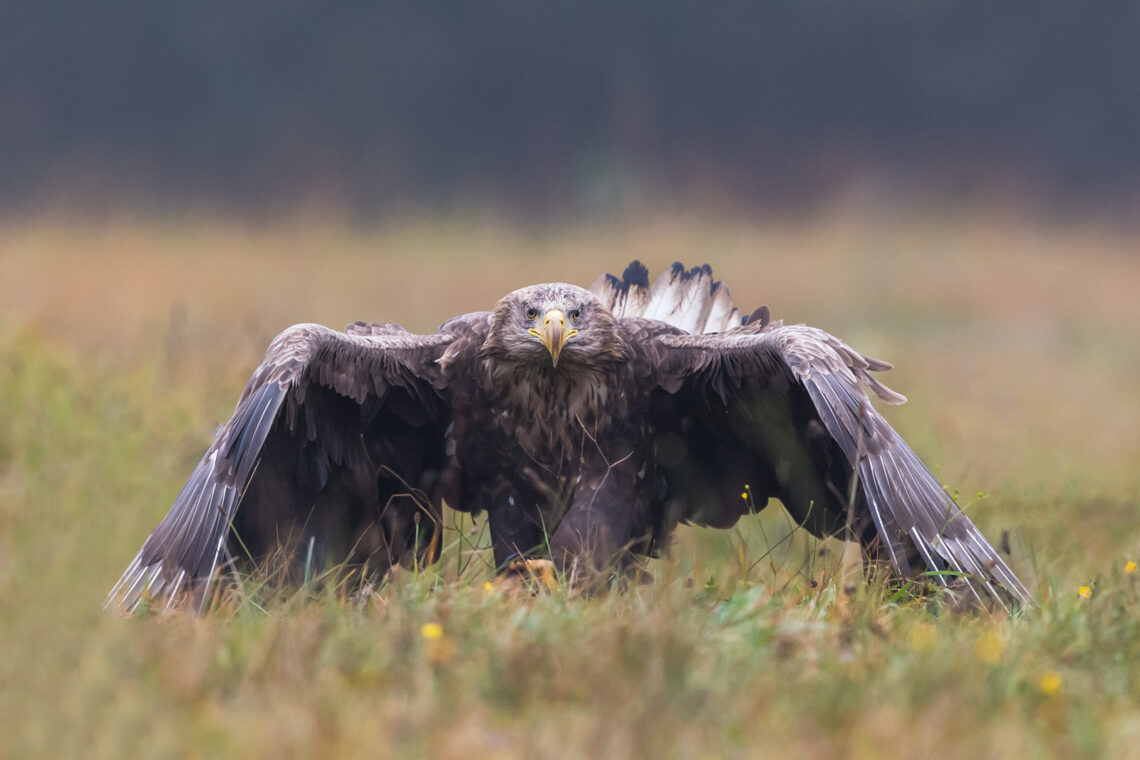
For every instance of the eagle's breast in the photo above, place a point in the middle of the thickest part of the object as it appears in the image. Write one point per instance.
(553, 415)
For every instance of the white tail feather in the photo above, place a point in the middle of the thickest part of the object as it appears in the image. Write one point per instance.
(691, 300)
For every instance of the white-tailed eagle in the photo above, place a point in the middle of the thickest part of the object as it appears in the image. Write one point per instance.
(586, 424)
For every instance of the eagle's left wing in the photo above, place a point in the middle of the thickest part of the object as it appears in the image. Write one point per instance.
(334, 439)
(782, 409)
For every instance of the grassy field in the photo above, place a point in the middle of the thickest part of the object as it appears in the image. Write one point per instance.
(123, 344)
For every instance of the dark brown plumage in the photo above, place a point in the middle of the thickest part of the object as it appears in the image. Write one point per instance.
(585, 424)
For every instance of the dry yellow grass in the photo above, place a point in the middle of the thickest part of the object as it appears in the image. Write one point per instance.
(123, 343)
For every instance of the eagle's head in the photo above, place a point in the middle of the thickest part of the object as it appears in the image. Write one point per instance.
(553, 325)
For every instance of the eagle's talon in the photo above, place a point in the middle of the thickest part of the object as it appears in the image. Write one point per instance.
(529, 575)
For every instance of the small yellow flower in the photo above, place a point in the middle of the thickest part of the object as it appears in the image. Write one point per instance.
(744, 495)
(922, 637)
(432, 631)
(488, 586)
(1050, 682)
(990, 647)
(1085, 592)
(1130, 566)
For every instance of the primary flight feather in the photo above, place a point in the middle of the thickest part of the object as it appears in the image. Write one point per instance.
(586, 424)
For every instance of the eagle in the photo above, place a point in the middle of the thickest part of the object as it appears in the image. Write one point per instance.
(586, 424)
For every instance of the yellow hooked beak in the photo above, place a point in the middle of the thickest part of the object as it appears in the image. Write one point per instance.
(553, 334)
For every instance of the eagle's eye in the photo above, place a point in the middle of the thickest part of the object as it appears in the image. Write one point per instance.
(575, 315)
(531, 312)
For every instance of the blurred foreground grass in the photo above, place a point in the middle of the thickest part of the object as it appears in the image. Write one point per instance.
(123, 344)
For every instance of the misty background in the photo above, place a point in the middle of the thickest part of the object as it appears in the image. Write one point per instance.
(568, 108)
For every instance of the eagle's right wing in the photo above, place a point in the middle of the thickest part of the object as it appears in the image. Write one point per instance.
(784, 410)
(359, 405)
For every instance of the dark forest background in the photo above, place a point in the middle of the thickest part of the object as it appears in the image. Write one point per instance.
(567, 107)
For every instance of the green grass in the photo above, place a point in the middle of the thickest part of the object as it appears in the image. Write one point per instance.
(122, 345)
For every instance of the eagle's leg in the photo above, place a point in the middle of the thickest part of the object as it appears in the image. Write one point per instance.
(591, 545)
(515, 534)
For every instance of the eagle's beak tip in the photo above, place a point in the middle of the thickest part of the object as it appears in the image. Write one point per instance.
(554, 334)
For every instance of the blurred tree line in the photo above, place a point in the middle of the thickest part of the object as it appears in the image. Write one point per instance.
(581, 106)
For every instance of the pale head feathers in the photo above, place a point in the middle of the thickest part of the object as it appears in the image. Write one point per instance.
(509, 339)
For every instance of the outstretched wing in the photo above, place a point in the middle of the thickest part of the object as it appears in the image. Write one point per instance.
(782, 409)
(352, 418)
